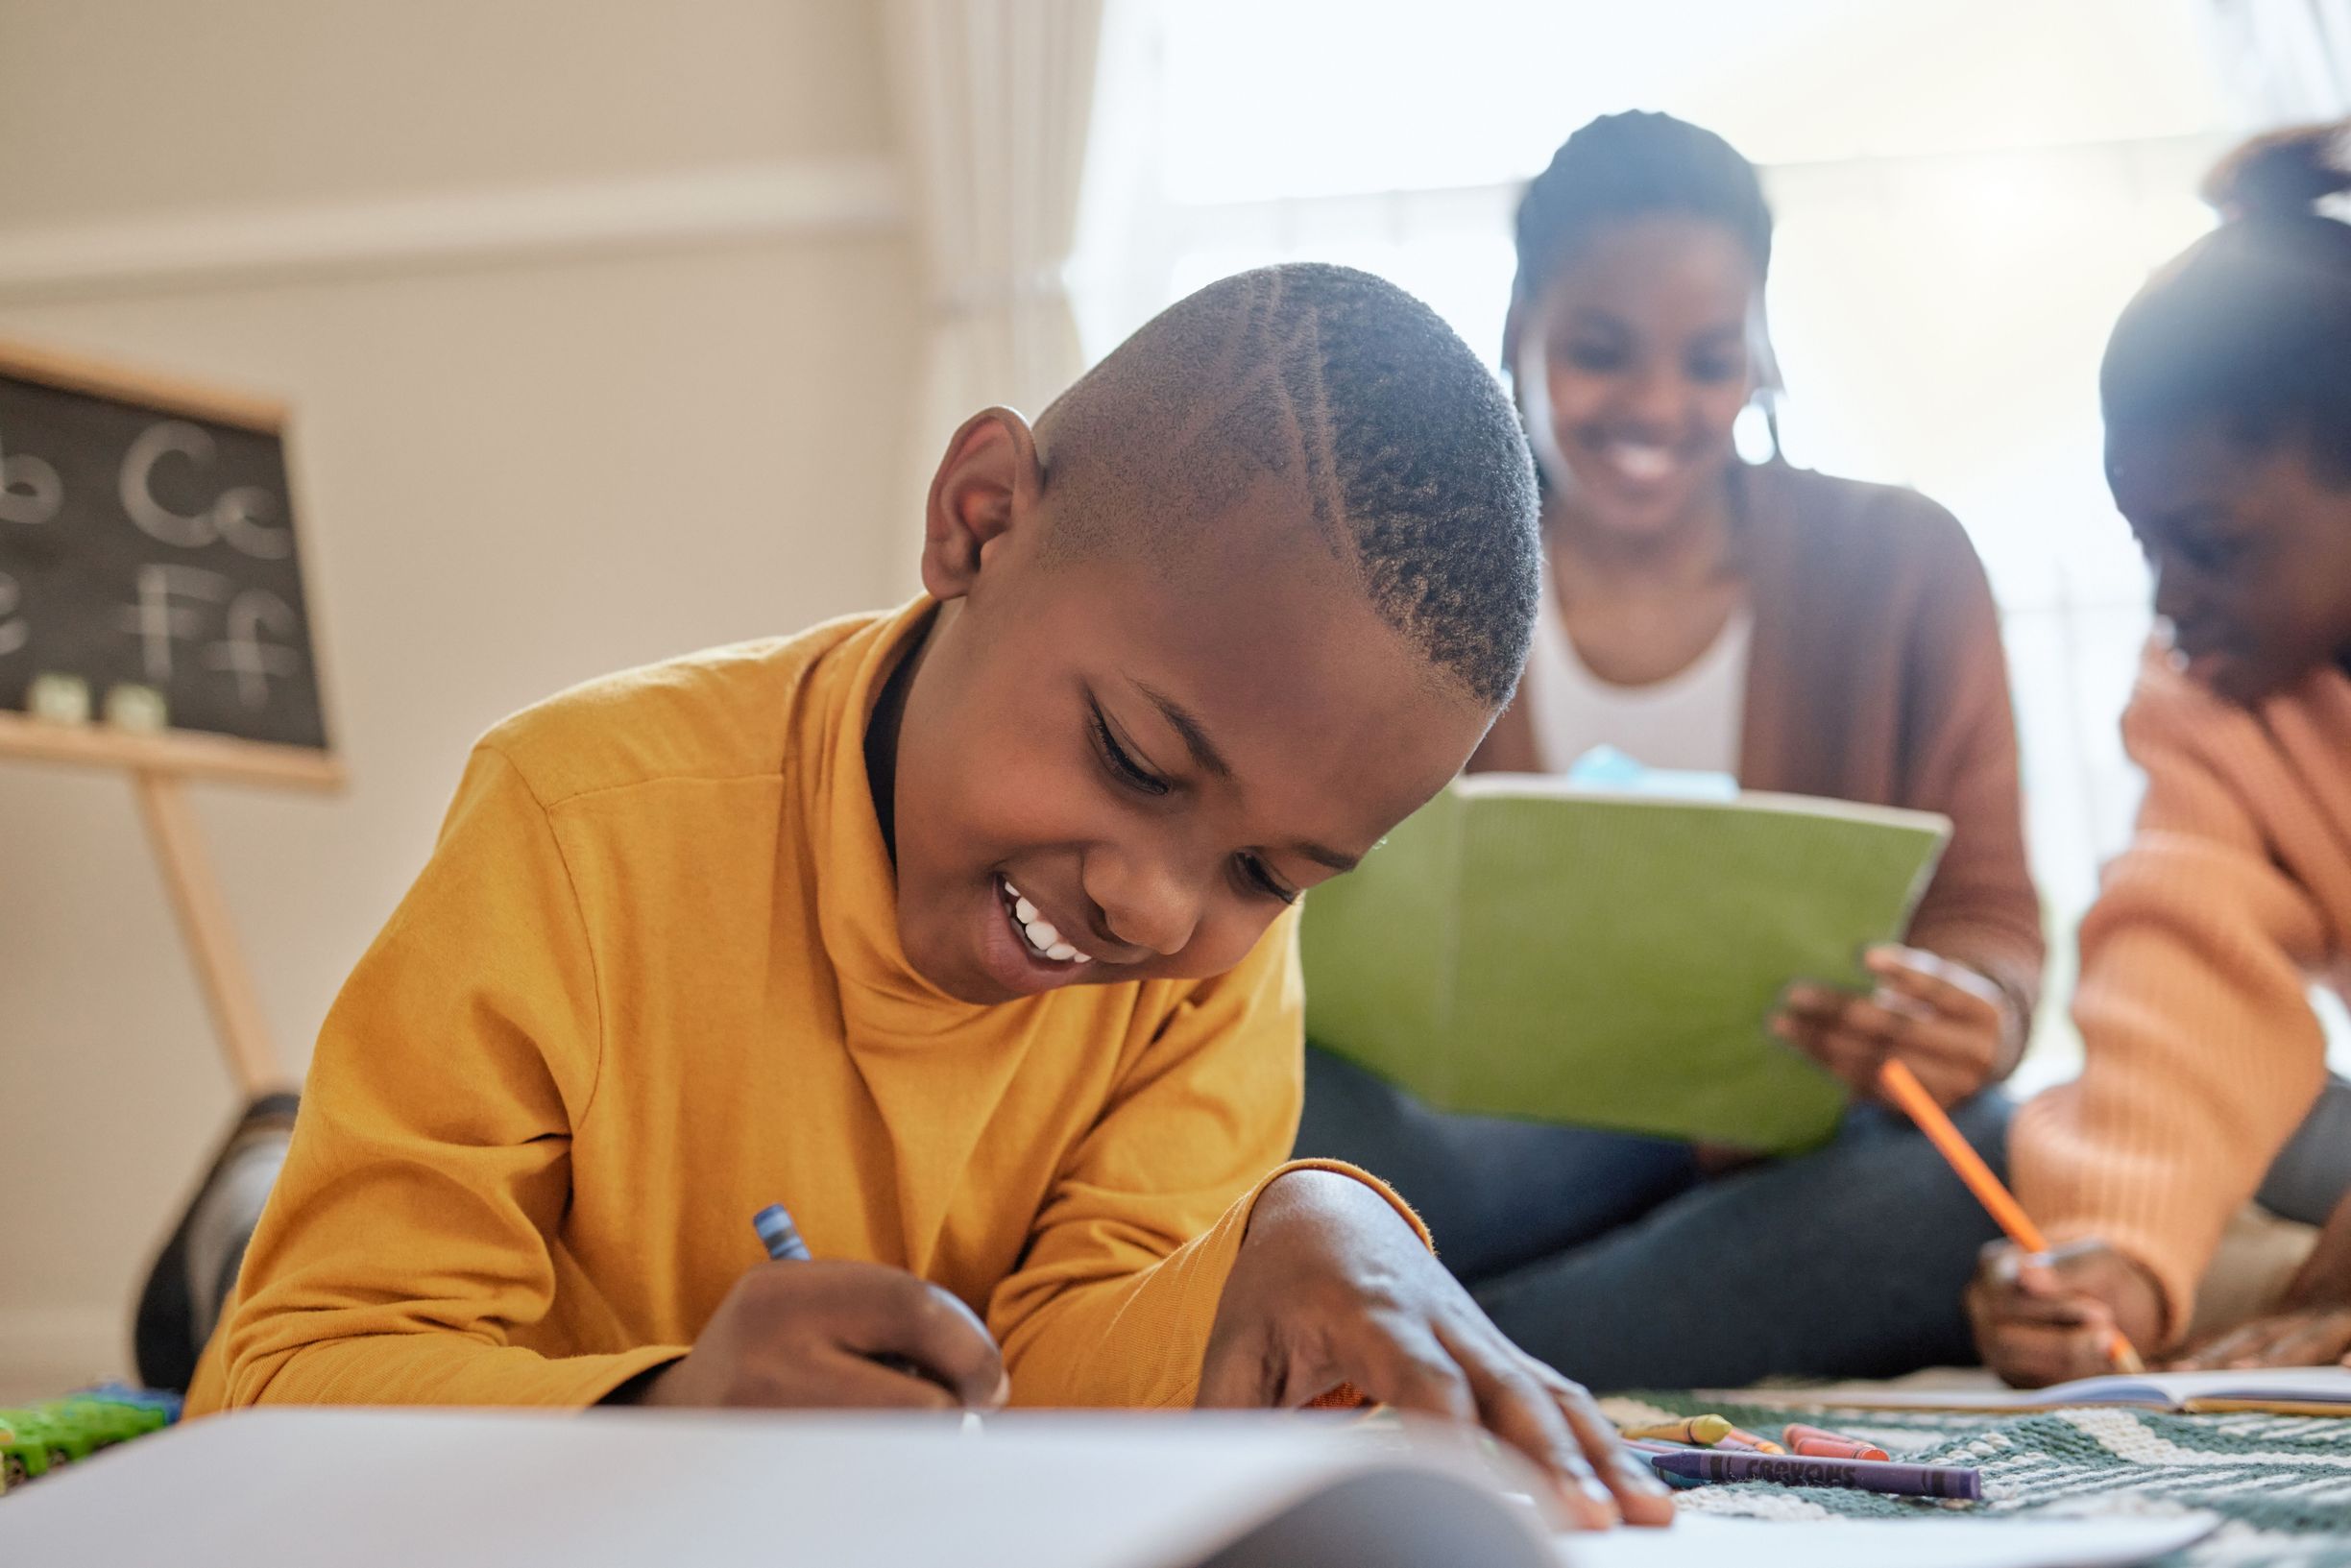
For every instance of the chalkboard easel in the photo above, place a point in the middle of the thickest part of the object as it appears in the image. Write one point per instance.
(148, 552)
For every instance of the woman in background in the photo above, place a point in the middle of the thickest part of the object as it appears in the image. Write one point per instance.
(2227, 393)
(1805, 634)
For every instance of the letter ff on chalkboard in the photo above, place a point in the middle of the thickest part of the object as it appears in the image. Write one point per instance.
(149, 548)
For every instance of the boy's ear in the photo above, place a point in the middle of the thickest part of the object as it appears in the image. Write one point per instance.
(986, 485)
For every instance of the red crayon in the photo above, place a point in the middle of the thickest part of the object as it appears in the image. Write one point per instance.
(1829, 1445)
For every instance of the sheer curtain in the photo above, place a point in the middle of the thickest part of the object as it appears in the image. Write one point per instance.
(1967, 191)
(995, 98)
(2290, 59)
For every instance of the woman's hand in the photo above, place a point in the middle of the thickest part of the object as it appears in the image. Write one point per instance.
(1954, 1028)
(1331, 1286)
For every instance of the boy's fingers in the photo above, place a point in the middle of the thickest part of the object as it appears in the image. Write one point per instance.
(858, 1382)
(1517, 1409)
(943, 1337)
(1420, 1377)
(1641, 1498)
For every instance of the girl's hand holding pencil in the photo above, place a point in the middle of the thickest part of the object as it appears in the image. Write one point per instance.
(2043, 1317)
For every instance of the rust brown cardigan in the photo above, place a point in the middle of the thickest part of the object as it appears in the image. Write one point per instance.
(1876, 675)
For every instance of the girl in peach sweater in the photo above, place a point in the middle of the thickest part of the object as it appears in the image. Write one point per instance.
(2228, 393)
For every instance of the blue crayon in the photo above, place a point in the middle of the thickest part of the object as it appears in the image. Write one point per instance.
(780, 1236)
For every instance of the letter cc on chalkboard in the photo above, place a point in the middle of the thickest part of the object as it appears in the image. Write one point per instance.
(153, 609)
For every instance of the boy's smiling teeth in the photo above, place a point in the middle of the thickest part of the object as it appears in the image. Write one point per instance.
(1038, 933)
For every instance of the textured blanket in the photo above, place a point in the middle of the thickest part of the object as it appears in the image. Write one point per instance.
(2282, 1482)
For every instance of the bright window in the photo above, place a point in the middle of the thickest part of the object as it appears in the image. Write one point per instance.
(1967, 192)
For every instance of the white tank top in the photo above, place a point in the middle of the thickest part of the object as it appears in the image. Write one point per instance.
(1690, 719)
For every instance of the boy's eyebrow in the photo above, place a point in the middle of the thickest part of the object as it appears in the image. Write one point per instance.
(1195, 738)
(1330, 857)
(1211, 760)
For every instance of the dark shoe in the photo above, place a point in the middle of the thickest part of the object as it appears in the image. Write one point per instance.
(198, 1267)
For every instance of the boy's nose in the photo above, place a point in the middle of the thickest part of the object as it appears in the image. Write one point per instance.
(1146, 906)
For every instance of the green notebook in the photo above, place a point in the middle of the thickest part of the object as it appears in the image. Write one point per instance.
(1527, 947)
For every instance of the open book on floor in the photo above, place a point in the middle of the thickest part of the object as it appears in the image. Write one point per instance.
(2283, 1390)
(1524, 946)
(624, 1488)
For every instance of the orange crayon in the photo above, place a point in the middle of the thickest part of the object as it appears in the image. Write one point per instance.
(1817, 1443)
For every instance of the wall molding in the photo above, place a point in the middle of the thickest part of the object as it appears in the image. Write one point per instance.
(162, 253)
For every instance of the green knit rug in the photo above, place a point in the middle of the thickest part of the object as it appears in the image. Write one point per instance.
(2283, 1483)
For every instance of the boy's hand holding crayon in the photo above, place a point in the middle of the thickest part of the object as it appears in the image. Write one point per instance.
(2050, 1316)
(1332, 1286)
(835, 1334)
(1953, 1027)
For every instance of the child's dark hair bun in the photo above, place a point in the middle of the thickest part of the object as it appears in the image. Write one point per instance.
(2283, 173)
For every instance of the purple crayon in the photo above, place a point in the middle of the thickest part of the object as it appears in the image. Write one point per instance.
(1698, 1466)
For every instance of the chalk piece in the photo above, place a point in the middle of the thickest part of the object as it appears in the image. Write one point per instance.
(59, 699)
(130, 705)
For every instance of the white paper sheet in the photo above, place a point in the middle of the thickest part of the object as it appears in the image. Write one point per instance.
(639, 1489)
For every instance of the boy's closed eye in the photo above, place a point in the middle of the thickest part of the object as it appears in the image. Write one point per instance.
(1121, 761)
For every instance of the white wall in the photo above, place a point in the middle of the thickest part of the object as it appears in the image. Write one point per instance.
(528, 452)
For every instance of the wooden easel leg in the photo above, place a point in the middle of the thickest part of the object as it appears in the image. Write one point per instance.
(203, 919)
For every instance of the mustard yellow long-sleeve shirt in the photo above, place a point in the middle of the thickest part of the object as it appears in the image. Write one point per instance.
(649, 982)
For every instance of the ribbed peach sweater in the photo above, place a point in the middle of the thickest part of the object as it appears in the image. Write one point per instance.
(2202, 1051)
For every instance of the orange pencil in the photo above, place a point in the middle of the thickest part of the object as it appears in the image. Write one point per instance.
(1902, 1087)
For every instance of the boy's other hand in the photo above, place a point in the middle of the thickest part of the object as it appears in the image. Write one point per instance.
(1331, 1286)
(2050, 1316)
(833, 1335)
(1955, 1028)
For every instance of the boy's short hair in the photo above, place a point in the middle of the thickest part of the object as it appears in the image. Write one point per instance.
(1405, 453)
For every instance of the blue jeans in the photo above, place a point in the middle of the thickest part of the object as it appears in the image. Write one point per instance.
(2312, 1172)
(1614, 1258)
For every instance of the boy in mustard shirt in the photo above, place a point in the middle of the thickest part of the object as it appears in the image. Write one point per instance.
(967, 933)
